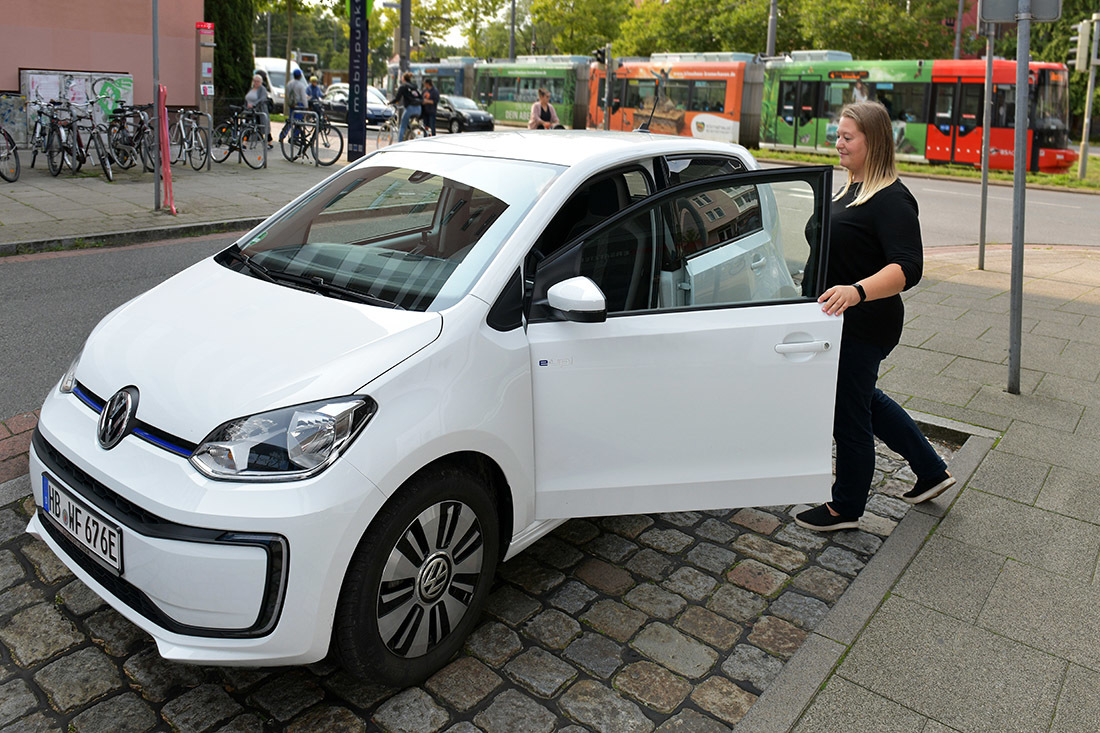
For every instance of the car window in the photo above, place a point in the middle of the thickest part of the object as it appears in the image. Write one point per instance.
(734, 240)
(413, 229)
(685, 169)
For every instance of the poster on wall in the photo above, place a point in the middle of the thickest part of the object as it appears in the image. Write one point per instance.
(102, 90)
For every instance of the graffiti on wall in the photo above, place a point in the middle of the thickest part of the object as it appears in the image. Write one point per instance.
(102, 91)
(11, 116)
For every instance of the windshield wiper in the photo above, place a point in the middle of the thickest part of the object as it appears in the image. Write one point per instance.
(254, 267)
(320, 285)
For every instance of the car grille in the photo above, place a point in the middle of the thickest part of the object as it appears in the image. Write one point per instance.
(143, 430)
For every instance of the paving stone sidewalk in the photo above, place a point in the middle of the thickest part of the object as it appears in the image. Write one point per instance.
(634, 623)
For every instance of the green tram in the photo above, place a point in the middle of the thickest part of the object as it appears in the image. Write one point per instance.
(507, 89)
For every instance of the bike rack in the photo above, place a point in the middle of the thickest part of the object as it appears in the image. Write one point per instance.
(266, 126)
(209, 135)
(312, 120)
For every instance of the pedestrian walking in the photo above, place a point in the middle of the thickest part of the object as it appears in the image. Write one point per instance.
(876, 252)
(256, 99)
(408, 96)
(543, 116)
(296, 96)
(430, 104)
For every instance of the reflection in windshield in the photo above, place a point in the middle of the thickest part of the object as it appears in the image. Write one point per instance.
(407, 234)
(463, 103)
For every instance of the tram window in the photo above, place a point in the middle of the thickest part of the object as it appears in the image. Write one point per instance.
(677, 91)
(1004, 106)
(601, 94)
(970, 107)
(639, 94)
(944, 105)
(485, 89)
(709, 96)
(904, 102)
(506, 89)
(787, 97)
(837, 94)
(446, 84)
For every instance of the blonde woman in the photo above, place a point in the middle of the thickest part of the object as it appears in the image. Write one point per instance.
(875, 254)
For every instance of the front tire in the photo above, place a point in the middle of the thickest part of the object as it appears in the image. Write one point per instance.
(456, 126)
(9, 158)
(418, 580)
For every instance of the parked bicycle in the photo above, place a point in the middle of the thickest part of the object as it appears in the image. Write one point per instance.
(242, 132)
(9, 157)
(387, 132)
(130, 136)
(60, 146)
(312, 135)
(44, 112)
(188, 140)
(89, 137)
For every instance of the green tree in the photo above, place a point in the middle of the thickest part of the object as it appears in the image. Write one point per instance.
(743, 26)
(472, 16)
(582, 25)
(884, 29)
(232, 21)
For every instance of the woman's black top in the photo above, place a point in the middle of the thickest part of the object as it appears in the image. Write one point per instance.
(405, 95)
(864, 239)
(544, 113)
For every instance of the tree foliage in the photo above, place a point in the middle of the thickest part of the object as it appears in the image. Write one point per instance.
(232, 21)
(581, 25)
(473, 17)
(882, 29)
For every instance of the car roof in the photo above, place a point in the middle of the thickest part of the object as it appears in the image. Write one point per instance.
(570, 147)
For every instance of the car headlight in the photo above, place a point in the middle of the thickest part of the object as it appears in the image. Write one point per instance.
(68, 381)
(290, 443)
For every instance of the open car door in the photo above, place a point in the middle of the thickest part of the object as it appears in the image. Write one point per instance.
(708, 377)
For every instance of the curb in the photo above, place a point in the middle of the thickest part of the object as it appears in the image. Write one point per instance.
(134, 236)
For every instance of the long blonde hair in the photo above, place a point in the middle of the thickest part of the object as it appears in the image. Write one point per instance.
(880, 170)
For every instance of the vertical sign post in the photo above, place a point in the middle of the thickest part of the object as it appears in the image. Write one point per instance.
(204, 54)
(358, 18)
(987, 122)
(156, 90)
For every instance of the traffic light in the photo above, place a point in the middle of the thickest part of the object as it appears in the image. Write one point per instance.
(600, 55)
(415, 38)
(1080, 59)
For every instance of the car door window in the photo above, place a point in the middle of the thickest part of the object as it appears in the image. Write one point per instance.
(734, 240)
(685, 169)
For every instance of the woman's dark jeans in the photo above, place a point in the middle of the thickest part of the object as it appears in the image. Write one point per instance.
(862, 413)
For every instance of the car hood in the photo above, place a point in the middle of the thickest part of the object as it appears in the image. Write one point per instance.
(211, 344)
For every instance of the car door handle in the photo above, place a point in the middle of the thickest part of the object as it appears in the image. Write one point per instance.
(803, 347)
(758, 262)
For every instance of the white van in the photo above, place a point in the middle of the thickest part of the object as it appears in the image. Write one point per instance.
(275, 69)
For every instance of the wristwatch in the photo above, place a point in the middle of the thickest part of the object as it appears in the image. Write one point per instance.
(861, 291)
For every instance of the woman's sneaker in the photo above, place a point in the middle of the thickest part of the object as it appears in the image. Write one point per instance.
(928, 488)
(822, 520)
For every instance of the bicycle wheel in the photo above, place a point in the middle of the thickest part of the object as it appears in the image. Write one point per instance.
(147, 147)
(74, 154)
(104, 159)
(222, 143)
(386, 134)
(176, 148)
(253, 146)
(330, 145)
(37, 141)
(55, 156)
(199, 151)
(290, 142)
(121, 150)
(9, 158)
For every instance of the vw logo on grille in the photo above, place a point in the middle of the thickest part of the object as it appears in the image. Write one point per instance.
(435, 576)
(117, 415)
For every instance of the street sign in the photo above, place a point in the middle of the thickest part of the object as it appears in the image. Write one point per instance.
(1004, 11)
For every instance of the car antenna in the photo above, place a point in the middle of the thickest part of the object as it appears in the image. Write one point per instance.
(656, 95)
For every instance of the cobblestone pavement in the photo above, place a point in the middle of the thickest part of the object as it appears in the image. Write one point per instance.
(635, 623)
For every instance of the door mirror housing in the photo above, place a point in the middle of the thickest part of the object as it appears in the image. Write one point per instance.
(578, 299)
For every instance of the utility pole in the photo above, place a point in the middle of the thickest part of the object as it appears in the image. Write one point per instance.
(773, 19)
(268, 14)
(1082, 165)
(959, 29)
(990, 31)
(512, 36)
(406, 31)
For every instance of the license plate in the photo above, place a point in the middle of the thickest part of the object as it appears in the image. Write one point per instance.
(84, 526)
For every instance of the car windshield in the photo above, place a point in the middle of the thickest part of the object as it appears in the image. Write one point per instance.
(375, 96)
(408, 229)
(278, 78)
(463, 103)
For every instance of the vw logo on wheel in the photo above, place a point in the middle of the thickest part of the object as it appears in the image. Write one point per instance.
(435, 576)
(116, 418)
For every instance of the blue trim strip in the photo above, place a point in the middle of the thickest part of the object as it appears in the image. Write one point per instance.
(86, 399)
(162, 443)
(45, 493)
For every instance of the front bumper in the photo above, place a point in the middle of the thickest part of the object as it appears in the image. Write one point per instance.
(215, 572)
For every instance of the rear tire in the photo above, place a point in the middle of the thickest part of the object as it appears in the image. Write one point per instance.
(385, 136)
(175, 145)
(55, 156)
(456, 126)
(416, 584)
(9, 158)
(330, 145)
(222, 143)
(104, 159)
(253, 147)
(200, 148)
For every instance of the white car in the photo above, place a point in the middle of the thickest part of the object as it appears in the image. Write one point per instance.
(333, 431)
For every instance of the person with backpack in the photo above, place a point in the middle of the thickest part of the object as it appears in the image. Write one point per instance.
(410, 98)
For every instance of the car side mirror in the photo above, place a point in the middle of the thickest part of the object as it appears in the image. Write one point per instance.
(578, 299)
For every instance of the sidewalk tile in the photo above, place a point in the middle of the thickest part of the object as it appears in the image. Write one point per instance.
(950, 577)
(1011, 477)
(919, 383)
(1090, 422)
(936, 312)
(1072, 493)
(999, 423)
(1038, 410)
(1079, 704)
(985, 372)
(965, 677)
(1055, 543)
(1047, 612)
(988, 304)
(1056, 447)
(843, 706)
(949, 343)
(907, 356)
(1069, 389)
(1054, 291)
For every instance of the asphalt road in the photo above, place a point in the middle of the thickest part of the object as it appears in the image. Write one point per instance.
(52, 301)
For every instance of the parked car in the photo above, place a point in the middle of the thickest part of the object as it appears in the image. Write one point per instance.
(331, 432)
(460, 114)
(335, 103)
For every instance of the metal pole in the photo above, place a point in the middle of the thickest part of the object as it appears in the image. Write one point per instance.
(959, 28)
(610, 73)
(987, 122)
(1086, 130)
(156, 109)
(512, 37)
(1019, 194)
(773, 17)
(406, 29)
(268, 14)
